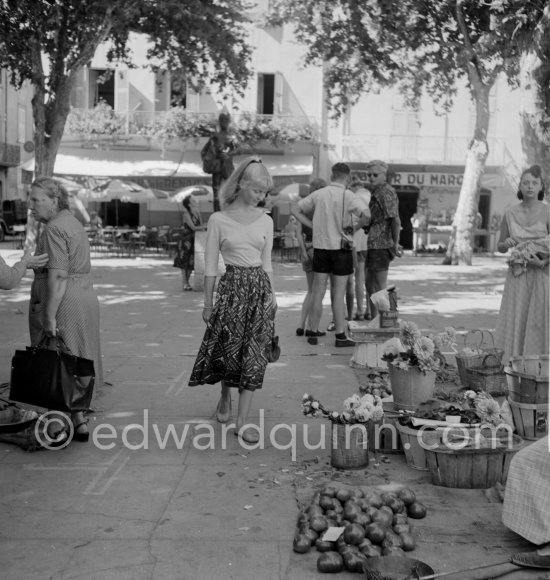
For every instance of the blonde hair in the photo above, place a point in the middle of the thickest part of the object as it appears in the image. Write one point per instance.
(250, 170)
(53, 189)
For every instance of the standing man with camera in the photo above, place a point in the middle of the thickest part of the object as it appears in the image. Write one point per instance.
(384, 229)
(332, 207)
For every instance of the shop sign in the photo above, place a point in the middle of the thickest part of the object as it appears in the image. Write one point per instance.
(431, 179)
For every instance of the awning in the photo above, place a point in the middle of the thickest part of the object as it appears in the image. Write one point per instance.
(132, 164)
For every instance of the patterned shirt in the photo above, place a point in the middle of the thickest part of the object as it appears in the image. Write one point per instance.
(383, 207)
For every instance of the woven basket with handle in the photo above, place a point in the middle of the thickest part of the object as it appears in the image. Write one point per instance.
(466, 361)
(489, 376)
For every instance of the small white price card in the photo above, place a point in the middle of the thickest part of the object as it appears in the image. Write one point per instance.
(332, 534)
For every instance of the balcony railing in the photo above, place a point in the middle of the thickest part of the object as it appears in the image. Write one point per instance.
(104, 123)
(416, 148)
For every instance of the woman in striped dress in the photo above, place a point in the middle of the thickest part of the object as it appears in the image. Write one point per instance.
(239, 325)
(62, 296)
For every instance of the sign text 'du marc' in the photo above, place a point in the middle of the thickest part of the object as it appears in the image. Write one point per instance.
(428, 179)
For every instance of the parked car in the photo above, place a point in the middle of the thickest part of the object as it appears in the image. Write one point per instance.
(13, 212)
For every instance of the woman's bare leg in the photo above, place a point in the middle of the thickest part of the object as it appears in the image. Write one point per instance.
(223, 410)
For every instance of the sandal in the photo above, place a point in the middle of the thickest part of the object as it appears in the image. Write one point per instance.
(248, 435)
(187, 288)
(222, 417)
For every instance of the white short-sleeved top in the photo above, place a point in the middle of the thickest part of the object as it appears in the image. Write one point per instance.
(326, 204)
(240, 244)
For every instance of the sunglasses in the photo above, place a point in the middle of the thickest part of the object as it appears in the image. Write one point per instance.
(373, 174)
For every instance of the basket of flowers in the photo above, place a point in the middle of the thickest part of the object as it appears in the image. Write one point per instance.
(475, 456)
(349, 440)
(412, 361)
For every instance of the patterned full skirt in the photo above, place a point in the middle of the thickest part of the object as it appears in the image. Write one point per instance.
(238, 334)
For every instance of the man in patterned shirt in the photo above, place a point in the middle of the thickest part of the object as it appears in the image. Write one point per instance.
(384, 229)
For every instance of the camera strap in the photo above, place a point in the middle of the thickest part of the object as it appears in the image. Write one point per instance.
(343, 208)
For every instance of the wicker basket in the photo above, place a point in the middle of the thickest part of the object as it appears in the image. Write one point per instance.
(488, 377)
(468, 361)
(470, 468)
(349, 446)
(531, 420)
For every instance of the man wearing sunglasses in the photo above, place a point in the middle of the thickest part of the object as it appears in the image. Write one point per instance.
(384, 229)
(332, 207)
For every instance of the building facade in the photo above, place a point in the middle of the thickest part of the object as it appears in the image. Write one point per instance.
(16, 147)
(425, 150)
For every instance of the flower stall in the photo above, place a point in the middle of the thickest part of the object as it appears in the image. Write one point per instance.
(349, 440)
(413, 360)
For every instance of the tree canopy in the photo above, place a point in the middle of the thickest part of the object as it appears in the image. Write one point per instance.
(47, 42)
(530, 28)
(420, 47)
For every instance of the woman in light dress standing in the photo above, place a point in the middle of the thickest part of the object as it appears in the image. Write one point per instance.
(522, 327)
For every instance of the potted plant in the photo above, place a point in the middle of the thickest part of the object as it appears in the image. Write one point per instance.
(349, 427)
(413, 360)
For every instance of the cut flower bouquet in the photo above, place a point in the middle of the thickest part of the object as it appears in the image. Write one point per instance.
(357, 409)
(489, 411)
(472, 406)
(529, 252)
(411, 349)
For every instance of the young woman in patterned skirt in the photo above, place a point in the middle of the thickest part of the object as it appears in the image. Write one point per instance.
(239, 325)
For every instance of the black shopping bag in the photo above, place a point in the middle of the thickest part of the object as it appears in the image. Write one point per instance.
(53, 378)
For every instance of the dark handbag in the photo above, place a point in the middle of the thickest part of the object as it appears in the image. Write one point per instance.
(52, 378)
(273, 349)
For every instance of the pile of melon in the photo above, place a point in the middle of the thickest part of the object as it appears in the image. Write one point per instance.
(375, 524)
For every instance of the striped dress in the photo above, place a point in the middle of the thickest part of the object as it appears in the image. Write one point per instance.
(65, 241)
